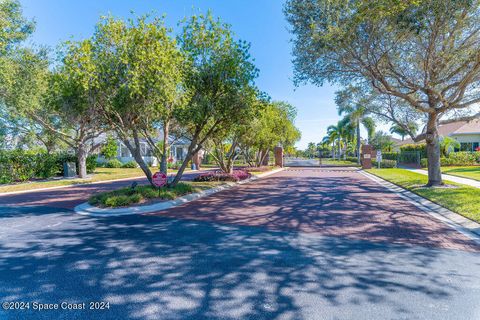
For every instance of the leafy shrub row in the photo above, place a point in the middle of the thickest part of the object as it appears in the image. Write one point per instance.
(385, 163)
(462, 158)
(235, 176)
(21, 165)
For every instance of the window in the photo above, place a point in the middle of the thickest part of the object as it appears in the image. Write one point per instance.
(124, 152)
(466, 146)
(475, 145)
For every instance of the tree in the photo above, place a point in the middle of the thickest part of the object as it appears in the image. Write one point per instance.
(135, 71)
(311, 149)
(354, 106)
(382, 141)
(412, 127)
(220, 78)
(273, 126)
(448, 145)
(14, 27)
(110, 148)
(426, 53)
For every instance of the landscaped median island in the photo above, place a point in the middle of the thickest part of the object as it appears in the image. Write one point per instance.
(147, 194)
(143, 195)
(456, 197)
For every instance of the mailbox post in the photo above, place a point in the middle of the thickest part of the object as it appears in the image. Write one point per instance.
(366, 158)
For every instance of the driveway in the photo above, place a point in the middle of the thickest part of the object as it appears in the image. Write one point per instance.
(307, 243)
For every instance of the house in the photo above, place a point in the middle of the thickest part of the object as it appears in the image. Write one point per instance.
(465, 132)
(178, 150)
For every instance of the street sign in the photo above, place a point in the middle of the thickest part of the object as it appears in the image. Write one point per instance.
(379, 158)
(159, 179)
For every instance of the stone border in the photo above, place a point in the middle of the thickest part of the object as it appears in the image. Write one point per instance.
(89, 210)
(463, 225)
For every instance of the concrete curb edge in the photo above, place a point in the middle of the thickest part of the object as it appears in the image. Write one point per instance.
(463, 225)
(89, 210)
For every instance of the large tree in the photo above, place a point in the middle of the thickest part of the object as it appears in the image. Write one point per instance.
(425, 52)
(220, 79)
(135, 72)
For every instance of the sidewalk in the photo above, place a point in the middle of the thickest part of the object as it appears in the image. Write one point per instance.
(469, 182)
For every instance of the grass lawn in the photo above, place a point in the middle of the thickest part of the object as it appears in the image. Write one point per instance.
(101, 174)
(145, 194)
(339, 163)
(471, 172)
(462, 199)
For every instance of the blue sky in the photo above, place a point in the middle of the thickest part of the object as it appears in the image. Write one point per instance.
(261, 23)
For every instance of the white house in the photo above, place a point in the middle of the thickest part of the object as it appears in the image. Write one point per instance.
(465, 132)
(178, 150)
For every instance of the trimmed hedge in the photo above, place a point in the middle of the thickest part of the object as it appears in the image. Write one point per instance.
(114, 163)
(130, 164)
(22, 165)
(385, 163)
(462, 158)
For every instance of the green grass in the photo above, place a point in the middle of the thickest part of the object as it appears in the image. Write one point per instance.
(101, 174)
(461, 199)
(470, 172)
(142, 194)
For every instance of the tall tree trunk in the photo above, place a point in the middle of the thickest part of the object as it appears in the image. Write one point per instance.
(338, 146)
(358, 142)
(82, 154)
(433, 152)
(165, 149)
(137, 155)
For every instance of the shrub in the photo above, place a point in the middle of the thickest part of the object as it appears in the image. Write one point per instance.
(385, 163)
(91, 163)
(127, 196)
(390, 155)
(462, 158)
(235, 176)
(114, 163)
(351, 159)
(130, 164)
(424, 162)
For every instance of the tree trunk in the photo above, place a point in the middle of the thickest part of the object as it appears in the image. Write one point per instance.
(338, 146)
(433, 152)
(137, 155)
(165, 149)
(358, 142)
(82, 154)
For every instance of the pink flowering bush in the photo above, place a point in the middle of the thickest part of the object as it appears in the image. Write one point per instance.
(236, 175)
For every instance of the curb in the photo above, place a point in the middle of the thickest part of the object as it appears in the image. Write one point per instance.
(463, 225)
(89, 210)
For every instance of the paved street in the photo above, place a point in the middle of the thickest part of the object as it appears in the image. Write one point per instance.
(305, 243)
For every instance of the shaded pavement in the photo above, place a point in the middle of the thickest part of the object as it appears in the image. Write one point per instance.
(301, 244)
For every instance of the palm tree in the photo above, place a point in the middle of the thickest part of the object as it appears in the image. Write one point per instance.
(333, 135)
(354, 107)
(402, 131)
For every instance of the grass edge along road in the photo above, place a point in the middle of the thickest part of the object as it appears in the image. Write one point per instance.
(469, 172)
(458, 198)
(101, 174)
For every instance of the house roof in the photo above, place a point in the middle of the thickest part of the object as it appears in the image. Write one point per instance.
(453, 128)
(470, 127)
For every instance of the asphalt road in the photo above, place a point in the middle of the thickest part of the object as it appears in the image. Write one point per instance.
(301, 244)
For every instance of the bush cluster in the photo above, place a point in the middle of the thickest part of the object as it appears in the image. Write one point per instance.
(235, 176)
(462, 158)
(130, 164)
(385, 163)
(113, 163)
(22, 165)
(128, 196)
